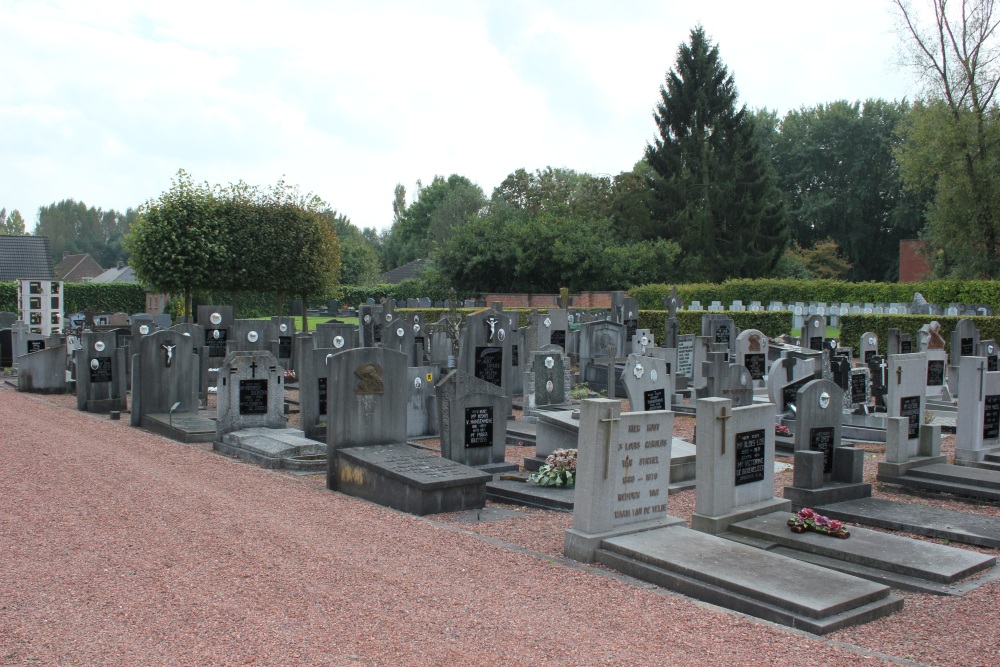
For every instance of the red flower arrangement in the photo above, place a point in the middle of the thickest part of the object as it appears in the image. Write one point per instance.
(808, 519)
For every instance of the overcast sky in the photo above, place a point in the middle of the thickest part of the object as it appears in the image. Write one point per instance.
(104, 101)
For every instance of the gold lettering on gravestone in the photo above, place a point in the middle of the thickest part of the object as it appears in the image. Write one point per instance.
(369, 379)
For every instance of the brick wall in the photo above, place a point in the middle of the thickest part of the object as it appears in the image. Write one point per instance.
(914, 266)
(582, 300)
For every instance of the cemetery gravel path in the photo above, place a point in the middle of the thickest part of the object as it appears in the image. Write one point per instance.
(118, 547)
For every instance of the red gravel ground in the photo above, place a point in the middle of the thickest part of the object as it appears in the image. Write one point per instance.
(118, 547)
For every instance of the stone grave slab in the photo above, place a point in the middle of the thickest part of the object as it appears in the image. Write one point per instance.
(894, 560)
(409, 479)
(963, 481)
(184, 427)
(749, 580)
(275, 448)
(929, 520)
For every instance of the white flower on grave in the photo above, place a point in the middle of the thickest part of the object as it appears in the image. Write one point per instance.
(338, 341)
(638, 371)
(215, 318)
(99, 346)
(652, 375)
(550, 362)
(252, 336)
(547, 322)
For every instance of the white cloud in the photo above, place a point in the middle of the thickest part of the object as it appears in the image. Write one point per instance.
(103, 102)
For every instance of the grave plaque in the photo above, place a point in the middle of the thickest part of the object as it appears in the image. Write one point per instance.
(253, 397)
(722, 334)
(906, 347)
(100, 369)
(909, 407)
(654, 400)
(869, 354)
(750, 457)
(284, 347)
(321, 386)
(859, 388)
(35, 346)
(935, 372)
(967, 345)
(685, 358)
(558, 337)
(479, 426)
(991, 418)
(489, 365)
(756, 364)
(991, 363)
(215, 341)
(790, 392)
(821, 440)
(816, 344)
(631, 326)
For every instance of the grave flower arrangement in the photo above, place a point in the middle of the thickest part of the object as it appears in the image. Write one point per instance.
(808, 519)
(783, 431)
(559, 469)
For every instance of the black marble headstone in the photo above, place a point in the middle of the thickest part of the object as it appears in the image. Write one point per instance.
(558, 337)
(489, 365)
(821, 440)
(654, 399)
(284, 347)
(35, 346)
(253, 397)
(750, 457)
(756, 363)
(101, 371)
(909, 406)
(966, 347)
(321, 387)
(991, 417)
(935, 372)
(215, 341)
(859, 389)
(479, 426)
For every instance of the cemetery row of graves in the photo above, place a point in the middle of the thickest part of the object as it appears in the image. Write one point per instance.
(368, 395)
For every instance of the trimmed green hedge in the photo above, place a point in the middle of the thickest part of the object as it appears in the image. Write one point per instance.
(942, 292)
(853, 326)
(771, 324)
(98, 297)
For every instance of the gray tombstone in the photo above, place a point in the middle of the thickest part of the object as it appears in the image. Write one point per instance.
(485, 348)
(547, 379)
(813, 332)
(101, 384)
(313, 397)
(868, 347)
(251, 392)
(648, 383)
(735, 464)
(751, 353)
(788, 375)
(217, 321)
(338, 335)
(282, 339)
(907, 392)
(978, 423)
(421, 408)
(989, 350)
(601, 343)
(6, 348)
(248, 336)
(44, 371)
(635, 447)
(720, 330)
(819, 418)
(164, 373)
(964, 343)
(366, 400)
(473, 419)
(552, 327)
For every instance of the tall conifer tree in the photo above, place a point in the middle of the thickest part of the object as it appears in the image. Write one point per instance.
(715, 191)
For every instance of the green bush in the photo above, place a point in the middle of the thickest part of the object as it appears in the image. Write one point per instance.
(8, 297)
(689, 322)
(104, 298)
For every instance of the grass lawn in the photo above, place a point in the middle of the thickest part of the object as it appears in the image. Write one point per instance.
(313, 321)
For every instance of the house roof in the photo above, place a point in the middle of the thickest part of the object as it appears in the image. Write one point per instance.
(25, 257)
(77, 268)
(123, 274)
(404, 272)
